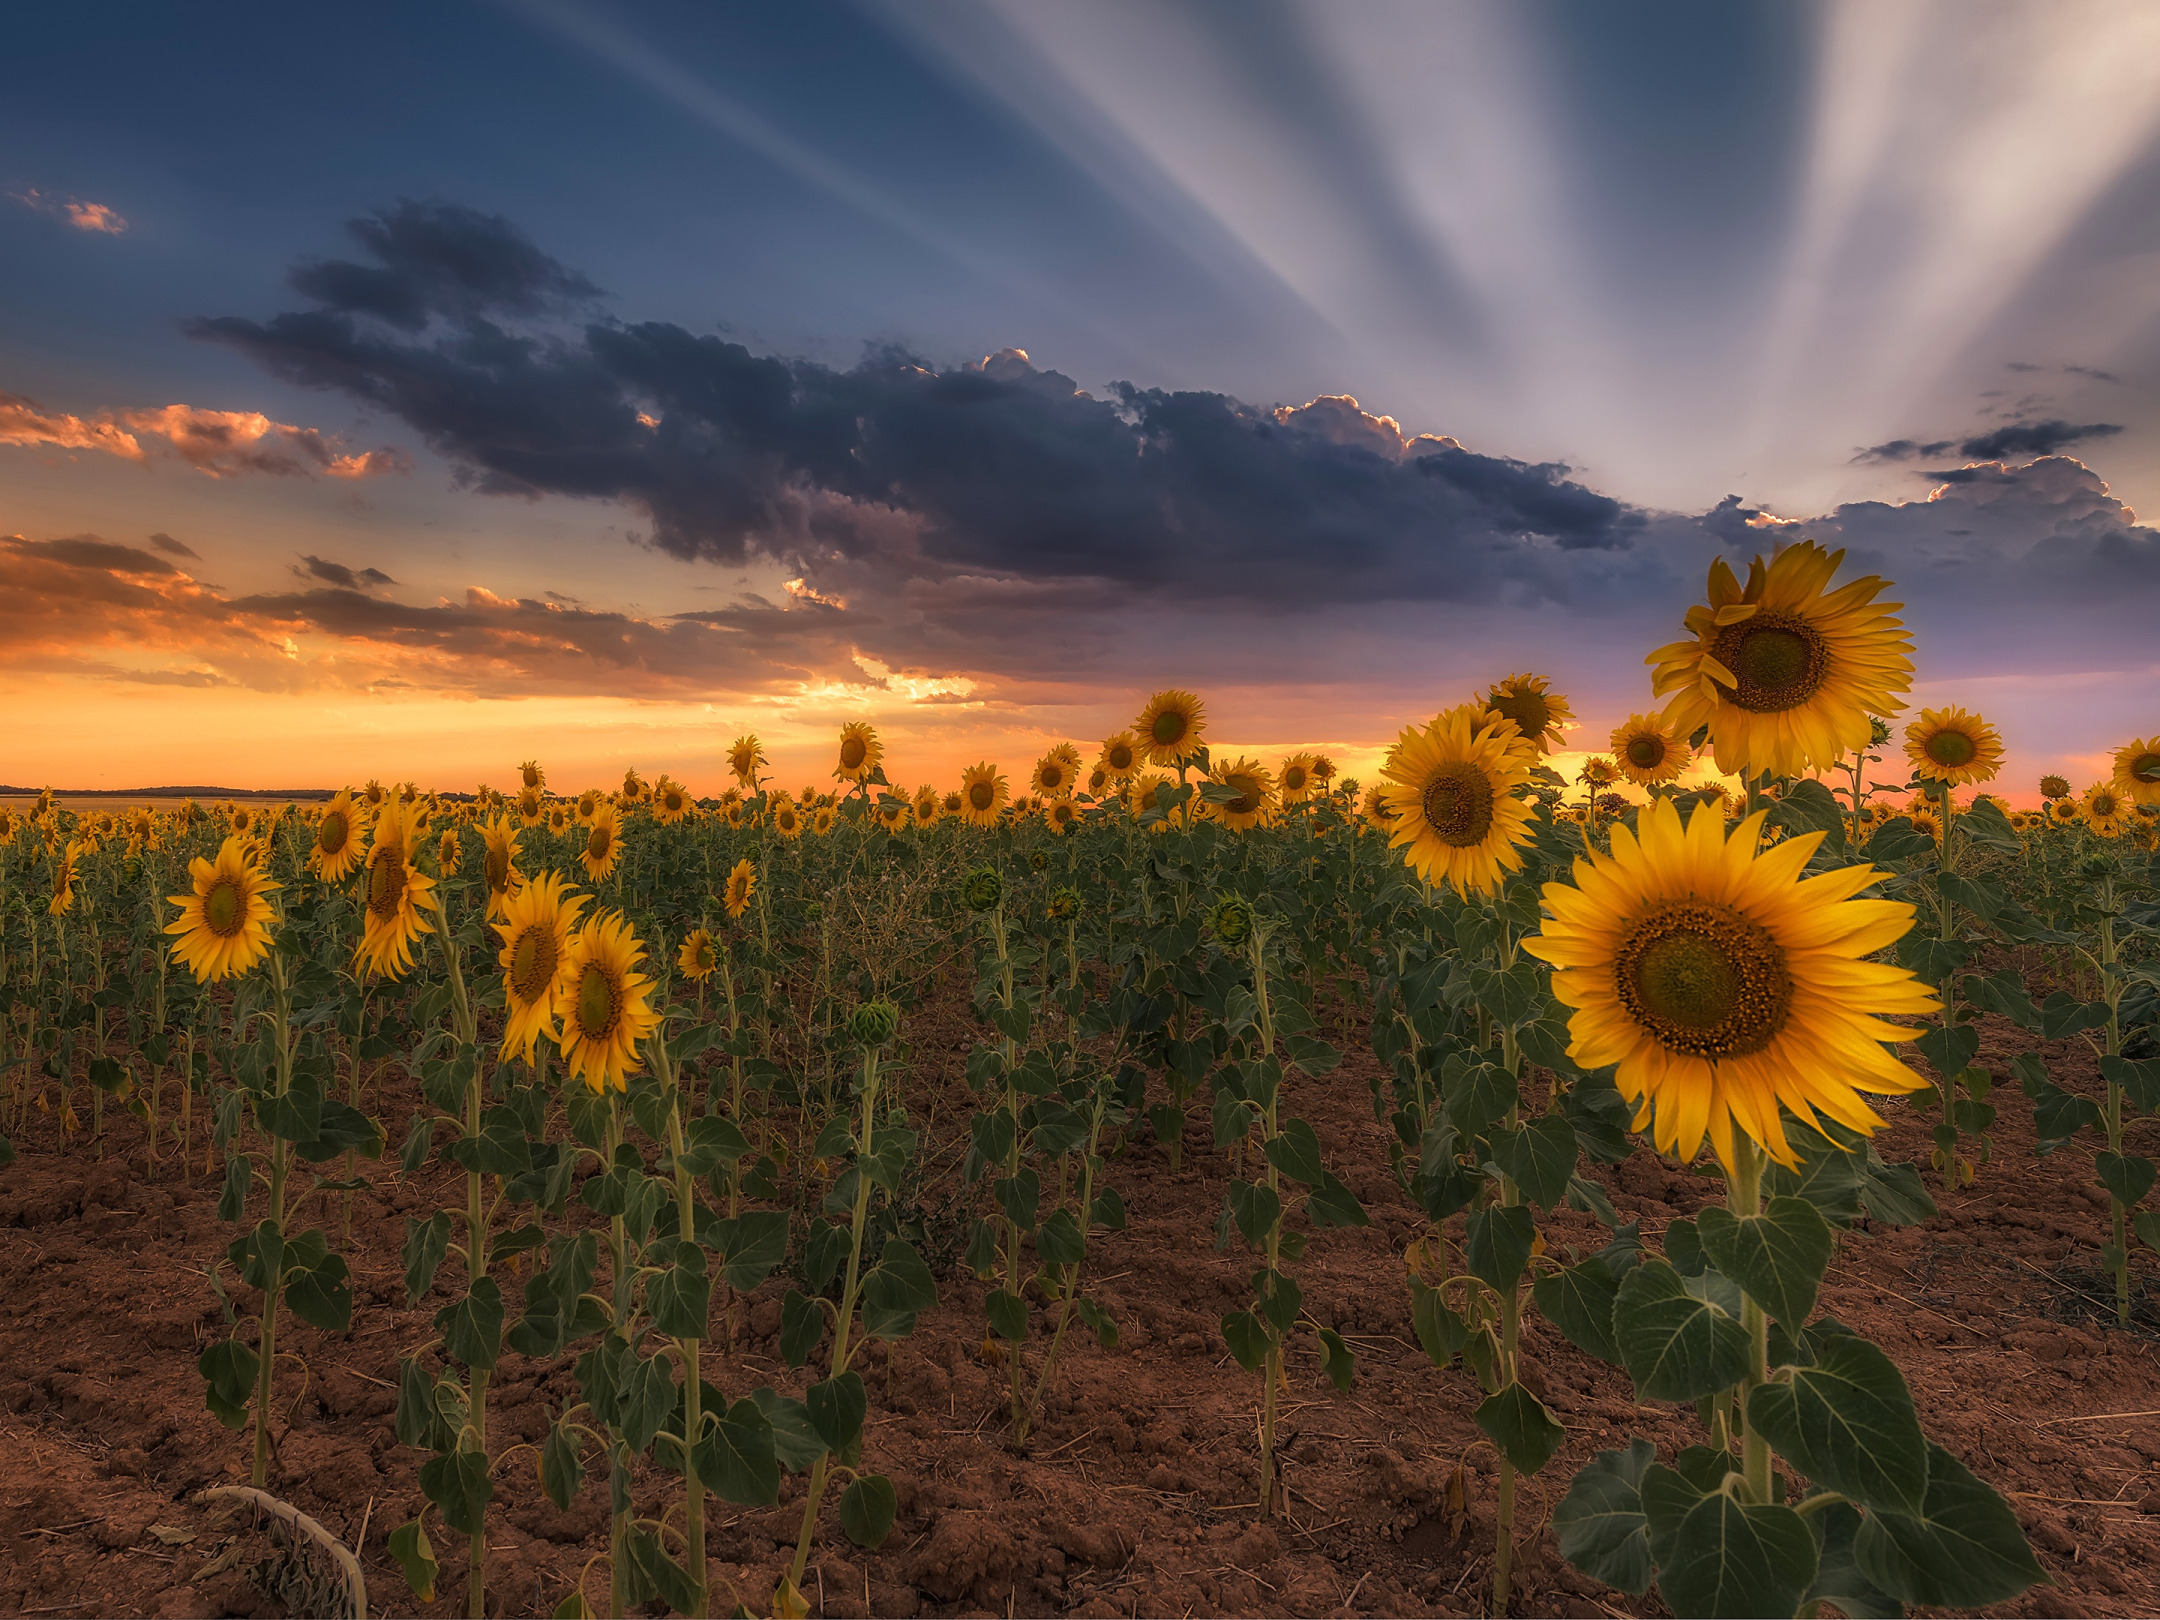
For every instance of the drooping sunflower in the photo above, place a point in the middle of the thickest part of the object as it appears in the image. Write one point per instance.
(1057, 773)
(1061, 816)
(929, 805)
(1169, 727)
(983, 795)
(337, 841)
(603, 843)
(1451, 789)
(63, 895)
(698, 957)
(530, 774)
(744, 756)
(1120, 756)
(1539, 714)
(741, 885)
(2137, 770)
(671, 801)
(1646, 750)
(1295, 781)
(531, 808)
(860, 751)
(2107, 810)
(893, 814)
(1949, 745)
(535, 931)
(787, 818)
(223, 926)
(1255, 788)
(397, 890)
(1786, 677)
(604, 1003)
(499, 865)
(2054, 787)
(1724, 985)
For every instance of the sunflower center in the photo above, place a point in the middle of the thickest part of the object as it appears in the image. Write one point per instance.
(1703, 980)
(1646, 753)
(1248, 799)
(498, 868)
(336, 830)
(2103, 804)
(1169, 727)
(1121, 758)
(1052, 775)
(223, 907)
(596, 843)
(532, 963)
(1526, 707)
(532, 777)
(1778, 658)
(386, 882)
(2145, 768)
(981, 794)
(674, 801)
(1458, 803)
(852, 753)
(1950, 748)
(1294, 778)
(596, 1003)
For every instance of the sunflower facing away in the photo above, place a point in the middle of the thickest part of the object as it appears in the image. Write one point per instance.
(983, 793)
(397, 890)
(1295, 781)
(1646, 750)
(605, 1011)
(1169, 727)
(698, 956)
(787, 818)
(741, 885)
(2137, 771)
(499, 865)
(535, 932)
(671, 801)
(744, 756)
(2107, 810)
(1786, 677)
(1120, 756)
(1255, 794)
(1539, 714)
(1451, 795)
(1724, 985)
(224, 925)
(1949, 745)
(337, 839)
(860, 751)
(928, 806)
(603, 843)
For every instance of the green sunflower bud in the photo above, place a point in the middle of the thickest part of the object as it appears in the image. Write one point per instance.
(983, 889)
(874, 1023)
(1231, 921)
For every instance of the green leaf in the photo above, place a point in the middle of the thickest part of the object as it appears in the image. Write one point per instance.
(1579, 1302)
(1480, 1094)
(1439, 1330)
(2126, 1177)
(321, 1295)
(1497, 1244)
(710, 1142)
(457, 1483)
(1333, 1204)
(1962, 1550)
(653, 1571)
(1247, 1339)
(645, 1401)
(802, 1325)
(562, 1466)
(1539, 1157)
(426, 1242)
(415, 1555)
(1255, 1207)
(1828, 1176)
(1599, 1524)
(229, 1369)
(867, 1507)
(1336, 1360)
(471, 1328)
(1059, 1240)
(1838, 1579)
(1520, 1425)
(737, 1459)
(795, 1442)
(2139, 1077)
(1893, 1193)
(1949, 1046)
(1312, 1055)
(1777, 1257)
(1716, 1556)
(895, 1292)
(680, 1298)
(1848, 1424)
(1296, 1152)
(837, 1408)
(1676, 1345)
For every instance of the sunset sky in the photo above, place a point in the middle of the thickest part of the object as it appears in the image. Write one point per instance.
(410, 396)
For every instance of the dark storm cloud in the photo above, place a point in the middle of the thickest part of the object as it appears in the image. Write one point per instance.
(999, 468)
(2035, 438)
(334, 573)
(1903, 450)
(92, 552)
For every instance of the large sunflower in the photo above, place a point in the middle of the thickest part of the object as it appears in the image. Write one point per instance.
(603, 843)
(499, 865)
(741, 885)
(1255, 789)
(929, 805)
(605, 1011)
(1646, 750)
(1539, 714)
(698, 957)
(787, 818)
(535, 932)
(397, 890)
(1949, 745)
(1120, 756)
(1451, 793)
(1724, 985)
(2107, 809)
(1296, 780)
(2137, 770)
(223, 926)
(860, 751)
(1786, 677)
(671, 801)
(744, 756)
(983, 792)
(1169, 727)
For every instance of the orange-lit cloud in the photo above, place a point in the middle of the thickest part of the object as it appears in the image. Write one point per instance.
(22, 423)
(84, 216)
(219, 444)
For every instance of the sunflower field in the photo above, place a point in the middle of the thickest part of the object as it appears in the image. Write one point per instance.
(1023, 1194)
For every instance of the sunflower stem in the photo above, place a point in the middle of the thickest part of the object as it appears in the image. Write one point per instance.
(1744, 1199)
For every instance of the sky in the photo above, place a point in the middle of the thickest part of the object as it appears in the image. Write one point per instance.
(595, 383)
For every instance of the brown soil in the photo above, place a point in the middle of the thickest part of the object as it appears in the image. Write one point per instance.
(1138, 1496)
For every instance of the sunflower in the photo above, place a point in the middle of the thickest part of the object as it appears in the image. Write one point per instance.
(929, 805)
(1255, 788)
(823, 819)
(1378, 814)
(337, 845)
(860, 751)
(893, 814)
(1597, 771)
(787, 818)
(1452, 797)
(373, 794)
(983, 792)
(698, 957)
(588, 806)
(1725, 986)
(2063, 812)
(1057, 773)
(603, 843)
(8, 826)
(741, 885)
(744, 756)
(1924, 819)
(633, 788)
(2107, 809)
(448, 853)
(223, 926)
(605, 1012)
(1323, 772)
(1144, 800)
(952, 804)
(1169, 727)
(1646, 750)
(535, 930)
(1786, 678)
(733, 813)
(1061, 815)
(1119, 757)
(63, 897)
(1949, 745)
(499, 865)
(243, 822)
(671, 801)
(531, 808)
(2021, 821)
(397, 891)
(1295, 781)
(2054, 787)
(2137, 771)
(558, 819)
(1538, 714)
